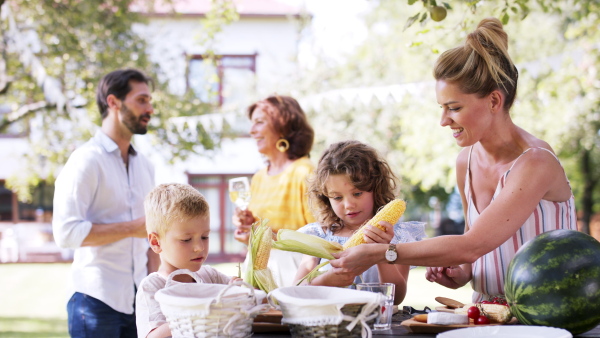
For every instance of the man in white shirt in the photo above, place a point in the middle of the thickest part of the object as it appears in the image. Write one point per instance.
(99, 212)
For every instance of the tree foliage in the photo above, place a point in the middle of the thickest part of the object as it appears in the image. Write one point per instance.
(553, 43)
(52, 55)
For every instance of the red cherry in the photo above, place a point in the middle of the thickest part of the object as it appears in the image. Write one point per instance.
(482, 320)
(473, 312)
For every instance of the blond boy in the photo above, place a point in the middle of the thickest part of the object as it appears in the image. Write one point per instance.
(178, 226)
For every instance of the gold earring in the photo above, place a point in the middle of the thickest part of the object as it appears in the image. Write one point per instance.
(282, 145)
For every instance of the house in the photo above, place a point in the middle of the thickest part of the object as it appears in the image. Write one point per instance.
(256, 56)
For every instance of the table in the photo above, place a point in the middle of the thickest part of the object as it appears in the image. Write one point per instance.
(400, 331)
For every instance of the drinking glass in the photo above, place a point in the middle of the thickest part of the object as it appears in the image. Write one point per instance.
(384, 321)
(239, 192)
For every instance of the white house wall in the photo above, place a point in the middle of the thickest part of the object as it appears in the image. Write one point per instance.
(273, 39)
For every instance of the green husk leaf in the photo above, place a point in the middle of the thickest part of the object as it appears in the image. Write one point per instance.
(313, 273)
(262, 279)
(290, 240)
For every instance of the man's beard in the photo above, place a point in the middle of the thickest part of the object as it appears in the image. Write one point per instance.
(133, 123)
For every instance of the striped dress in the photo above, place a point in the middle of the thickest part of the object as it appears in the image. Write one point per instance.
(489, 270)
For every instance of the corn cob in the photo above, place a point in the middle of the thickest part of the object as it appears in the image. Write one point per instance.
(259, 251)
(496, 313)
(263, 250)
(390, 213)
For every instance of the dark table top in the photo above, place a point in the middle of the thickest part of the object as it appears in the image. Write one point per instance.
(398, 330)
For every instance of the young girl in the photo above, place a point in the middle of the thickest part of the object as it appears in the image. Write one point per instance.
(351, 183)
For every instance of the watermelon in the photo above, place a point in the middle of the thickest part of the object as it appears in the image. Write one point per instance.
(554, 280)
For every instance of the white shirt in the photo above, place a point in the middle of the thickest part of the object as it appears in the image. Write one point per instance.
(148, 314)
(95, 186)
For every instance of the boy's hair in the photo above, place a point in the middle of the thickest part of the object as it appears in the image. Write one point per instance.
(363, 166)
(171, 202)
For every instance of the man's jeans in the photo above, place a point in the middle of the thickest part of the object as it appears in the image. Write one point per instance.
(91, 318)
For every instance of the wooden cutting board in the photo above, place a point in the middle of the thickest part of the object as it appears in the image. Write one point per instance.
(418, 327)
(269, 321)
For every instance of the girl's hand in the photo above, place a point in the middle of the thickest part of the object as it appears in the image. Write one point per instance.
(451, 277)
(373, 234)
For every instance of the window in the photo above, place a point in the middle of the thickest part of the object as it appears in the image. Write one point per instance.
(228, 80)
(38, 210)
(214, 187)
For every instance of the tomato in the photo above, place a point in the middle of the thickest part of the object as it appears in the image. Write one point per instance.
(473, 312)
(482, 320)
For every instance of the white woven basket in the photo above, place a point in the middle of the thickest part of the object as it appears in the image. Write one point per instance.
(210, 310)
(324, 311)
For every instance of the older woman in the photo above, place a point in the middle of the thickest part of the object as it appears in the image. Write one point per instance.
(279, 191)
(511, 183)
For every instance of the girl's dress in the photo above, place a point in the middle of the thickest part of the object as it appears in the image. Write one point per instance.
(404, 232)
(490, 269)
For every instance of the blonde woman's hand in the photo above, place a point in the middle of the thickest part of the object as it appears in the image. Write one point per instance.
(451, 277)
(373, 234)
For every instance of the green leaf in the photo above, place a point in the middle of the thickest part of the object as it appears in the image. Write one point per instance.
(505, 19)
(411, 20)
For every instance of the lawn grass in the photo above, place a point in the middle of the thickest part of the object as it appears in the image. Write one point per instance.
(34, 296)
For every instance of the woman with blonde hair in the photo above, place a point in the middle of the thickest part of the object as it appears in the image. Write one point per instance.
(512, 185)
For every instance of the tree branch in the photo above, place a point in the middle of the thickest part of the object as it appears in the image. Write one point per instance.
(21, 113)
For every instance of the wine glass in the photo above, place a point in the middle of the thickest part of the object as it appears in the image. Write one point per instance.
(239, 192)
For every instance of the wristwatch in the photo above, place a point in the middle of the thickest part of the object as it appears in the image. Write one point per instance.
(391, 255)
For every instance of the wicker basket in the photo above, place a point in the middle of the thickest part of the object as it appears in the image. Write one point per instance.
(319, 311)
(339, 330)
(210, 310)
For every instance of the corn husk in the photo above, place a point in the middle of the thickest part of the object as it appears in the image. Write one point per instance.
(259, 249)
(313, 273)
(290, 240)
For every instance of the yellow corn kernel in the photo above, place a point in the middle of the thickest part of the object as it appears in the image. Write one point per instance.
(390, 213)
(263, 249)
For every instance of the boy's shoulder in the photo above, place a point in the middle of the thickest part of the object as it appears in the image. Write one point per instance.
(152, 283)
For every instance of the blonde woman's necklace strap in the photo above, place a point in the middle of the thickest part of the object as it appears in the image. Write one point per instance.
(282, 145)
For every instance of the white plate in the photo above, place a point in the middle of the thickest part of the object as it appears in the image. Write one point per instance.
(507, 331)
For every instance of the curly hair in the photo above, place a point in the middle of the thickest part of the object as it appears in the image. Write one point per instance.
(289, 120)
(363, 166)
(482, 64)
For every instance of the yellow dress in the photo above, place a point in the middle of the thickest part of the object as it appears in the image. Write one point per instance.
(283, 199)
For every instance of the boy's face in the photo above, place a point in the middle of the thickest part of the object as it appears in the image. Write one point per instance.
(351, 205)
(184, 245)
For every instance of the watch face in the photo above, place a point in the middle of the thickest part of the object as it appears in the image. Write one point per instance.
(391, 255)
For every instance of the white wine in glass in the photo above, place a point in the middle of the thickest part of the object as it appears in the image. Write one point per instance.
(239, 192)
